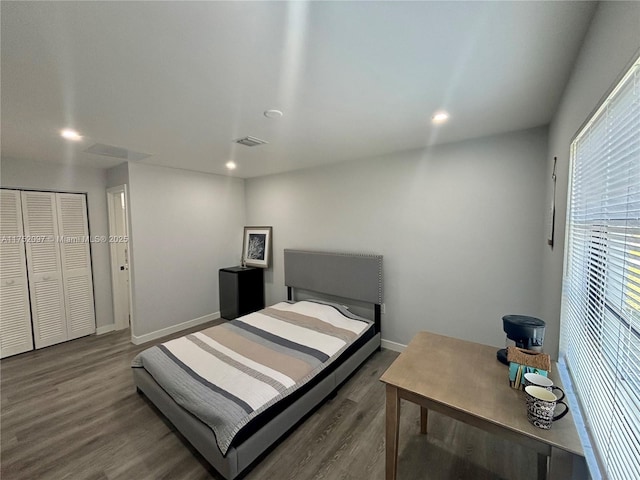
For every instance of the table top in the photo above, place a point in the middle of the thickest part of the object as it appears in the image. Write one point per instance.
(467, 377)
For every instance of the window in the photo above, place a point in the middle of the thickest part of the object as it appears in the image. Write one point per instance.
(600, 321)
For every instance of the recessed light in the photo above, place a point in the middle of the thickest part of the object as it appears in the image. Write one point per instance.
(273, 113)
(71, 134)
(231, 165)
(440, 117)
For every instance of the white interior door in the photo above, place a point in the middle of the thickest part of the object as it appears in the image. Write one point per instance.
(73, 228)
(118, 231)
(44, 266)
(16, 335)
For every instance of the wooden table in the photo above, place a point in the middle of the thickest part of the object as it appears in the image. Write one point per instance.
(464, 381)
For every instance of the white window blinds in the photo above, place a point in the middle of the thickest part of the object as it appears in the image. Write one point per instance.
(600, 321)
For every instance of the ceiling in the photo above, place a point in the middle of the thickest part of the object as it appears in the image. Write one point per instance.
(182, 80)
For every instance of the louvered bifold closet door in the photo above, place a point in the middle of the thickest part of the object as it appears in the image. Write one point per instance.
(44, 267)
(76, 264)
(15, 316)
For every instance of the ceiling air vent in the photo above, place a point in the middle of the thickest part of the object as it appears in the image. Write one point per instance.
(250, 141)
(115, 152)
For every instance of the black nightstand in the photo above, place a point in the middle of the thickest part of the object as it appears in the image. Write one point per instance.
(241, 291)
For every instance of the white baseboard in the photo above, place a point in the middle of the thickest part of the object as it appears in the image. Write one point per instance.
(147, 337)
(105, 329)
(389, 345)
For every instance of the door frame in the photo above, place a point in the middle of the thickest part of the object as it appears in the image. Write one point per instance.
(115, 267)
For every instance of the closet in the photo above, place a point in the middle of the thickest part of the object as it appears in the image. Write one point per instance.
(15, 314)
(46, 283)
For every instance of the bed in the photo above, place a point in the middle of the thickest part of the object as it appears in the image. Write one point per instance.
(330, 326)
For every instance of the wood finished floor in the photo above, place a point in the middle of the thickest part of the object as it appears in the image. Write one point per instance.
(71, 412)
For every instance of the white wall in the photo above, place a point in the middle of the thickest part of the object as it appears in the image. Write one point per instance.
(92, 181)
(460, 228)
(612, 40)
(185, 226)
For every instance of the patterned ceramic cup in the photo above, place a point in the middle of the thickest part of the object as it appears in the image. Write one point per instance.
(541, 404)
(542, 381)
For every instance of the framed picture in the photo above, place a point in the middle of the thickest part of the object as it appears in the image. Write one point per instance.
(256, 247)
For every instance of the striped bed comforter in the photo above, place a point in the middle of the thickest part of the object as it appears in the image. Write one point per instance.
(228, 374)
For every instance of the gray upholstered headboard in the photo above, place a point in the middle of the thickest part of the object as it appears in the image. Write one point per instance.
(354, 276)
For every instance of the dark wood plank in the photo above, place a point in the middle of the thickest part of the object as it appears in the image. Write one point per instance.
(70, 411)
(392, 428)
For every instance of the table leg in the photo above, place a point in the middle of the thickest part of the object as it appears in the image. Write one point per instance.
(392, 432)
(564, 465)
(543, 466)
(424, 418)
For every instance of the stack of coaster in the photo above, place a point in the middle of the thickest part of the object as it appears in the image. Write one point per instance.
(523, 361)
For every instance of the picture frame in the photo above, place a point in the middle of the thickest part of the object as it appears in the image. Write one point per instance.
(256, 247)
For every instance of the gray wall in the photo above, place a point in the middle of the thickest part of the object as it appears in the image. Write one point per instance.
(611, 42)
(184, 227)
(118, 175)
(92, 181)
(460, 228)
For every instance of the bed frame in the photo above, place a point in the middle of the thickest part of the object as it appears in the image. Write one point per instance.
(354, 280)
